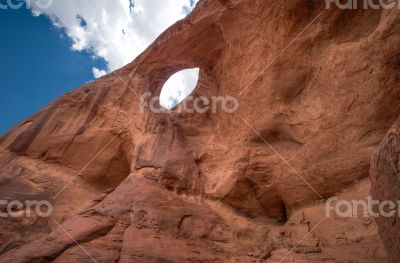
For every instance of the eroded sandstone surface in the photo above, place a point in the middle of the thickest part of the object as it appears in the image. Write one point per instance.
(131, 185)
(385, 179)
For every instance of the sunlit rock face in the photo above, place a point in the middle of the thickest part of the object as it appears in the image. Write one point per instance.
(178, 87)
(204, 187)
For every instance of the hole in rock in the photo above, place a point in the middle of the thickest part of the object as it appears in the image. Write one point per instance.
(178, 87)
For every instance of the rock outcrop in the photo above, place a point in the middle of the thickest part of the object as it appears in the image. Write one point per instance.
(385, 180)
(131, 185)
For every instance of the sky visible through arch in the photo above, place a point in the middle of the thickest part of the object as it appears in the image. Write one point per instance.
(48, 52)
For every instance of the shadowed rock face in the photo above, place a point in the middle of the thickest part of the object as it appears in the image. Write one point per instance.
(204, 187)
(385, 181)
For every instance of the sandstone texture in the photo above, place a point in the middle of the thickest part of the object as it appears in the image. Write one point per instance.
(131, 185)
(385, 179)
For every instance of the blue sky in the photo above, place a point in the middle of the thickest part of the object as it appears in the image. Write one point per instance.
(42, 58)
(37, 65)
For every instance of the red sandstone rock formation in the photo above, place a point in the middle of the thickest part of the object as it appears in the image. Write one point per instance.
(145, 187)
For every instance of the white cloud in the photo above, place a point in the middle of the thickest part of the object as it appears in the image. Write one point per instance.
(97, 73)
(115, 30)
(178, 87)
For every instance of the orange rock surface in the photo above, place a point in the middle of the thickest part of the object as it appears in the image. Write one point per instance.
(131, 185)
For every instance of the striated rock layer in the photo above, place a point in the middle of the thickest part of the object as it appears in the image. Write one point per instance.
(131, 185)
(385, 178)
